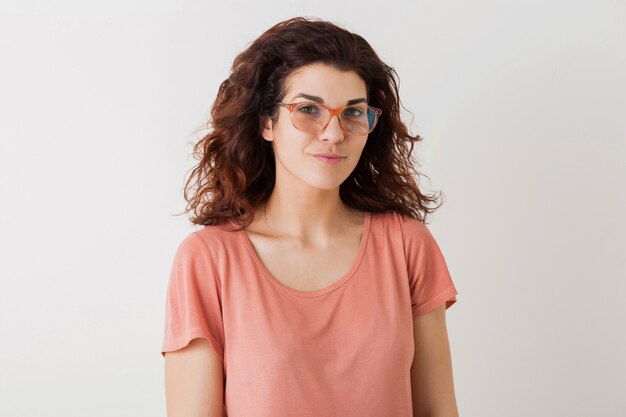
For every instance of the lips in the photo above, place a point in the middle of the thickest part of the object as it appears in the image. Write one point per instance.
(328, 155)
(329, 160)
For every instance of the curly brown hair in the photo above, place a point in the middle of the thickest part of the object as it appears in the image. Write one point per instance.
(236, 169)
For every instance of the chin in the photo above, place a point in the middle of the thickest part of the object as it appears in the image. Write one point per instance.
(326, 183)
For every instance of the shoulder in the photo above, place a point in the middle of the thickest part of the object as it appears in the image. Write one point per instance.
(201, 256)
(402, 225)
(413, 234)
(215, 236)
(208, 240)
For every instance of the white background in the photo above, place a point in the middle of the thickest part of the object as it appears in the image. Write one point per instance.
(522, 108)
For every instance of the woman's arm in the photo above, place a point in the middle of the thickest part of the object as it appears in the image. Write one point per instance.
(432, 385)
(194, 381)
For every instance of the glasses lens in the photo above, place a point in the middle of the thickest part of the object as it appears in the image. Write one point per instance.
(372, 118)
(310, 117)
(357, 119)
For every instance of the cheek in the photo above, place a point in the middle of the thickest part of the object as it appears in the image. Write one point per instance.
(290, 150)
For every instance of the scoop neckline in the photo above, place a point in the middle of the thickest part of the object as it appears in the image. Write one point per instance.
(329, 288)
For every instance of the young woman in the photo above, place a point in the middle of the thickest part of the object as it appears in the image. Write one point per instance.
(314, 287)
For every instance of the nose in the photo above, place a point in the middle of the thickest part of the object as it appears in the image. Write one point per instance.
(333, 131)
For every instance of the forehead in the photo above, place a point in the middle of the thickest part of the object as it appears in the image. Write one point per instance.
(334, 86)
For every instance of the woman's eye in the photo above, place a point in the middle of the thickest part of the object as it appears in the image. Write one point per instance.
(353, 112)
(309, 108)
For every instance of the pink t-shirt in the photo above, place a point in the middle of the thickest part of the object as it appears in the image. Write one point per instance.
(345, 350)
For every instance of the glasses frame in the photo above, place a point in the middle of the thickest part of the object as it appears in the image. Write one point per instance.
(333, 112)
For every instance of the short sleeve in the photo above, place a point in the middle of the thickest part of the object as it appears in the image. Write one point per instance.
(429, 279)
(193, 305)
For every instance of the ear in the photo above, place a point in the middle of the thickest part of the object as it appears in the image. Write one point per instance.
(266, 128)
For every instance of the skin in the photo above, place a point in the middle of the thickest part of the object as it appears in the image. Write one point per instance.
(305, 201)
(432, 384)
(194, 381)
(305, 213)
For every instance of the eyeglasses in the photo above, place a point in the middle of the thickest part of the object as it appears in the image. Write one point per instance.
(310, 117)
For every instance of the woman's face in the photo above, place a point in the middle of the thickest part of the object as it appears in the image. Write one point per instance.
(294, 149)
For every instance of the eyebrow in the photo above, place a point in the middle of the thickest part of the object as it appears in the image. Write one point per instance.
(320, 100)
